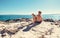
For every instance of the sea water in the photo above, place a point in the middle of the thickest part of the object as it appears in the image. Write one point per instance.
(44, 16)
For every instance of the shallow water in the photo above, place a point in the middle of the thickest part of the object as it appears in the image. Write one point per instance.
(45, 16)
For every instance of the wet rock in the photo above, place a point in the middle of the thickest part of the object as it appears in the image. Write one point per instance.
(13, 20)
(48, 20)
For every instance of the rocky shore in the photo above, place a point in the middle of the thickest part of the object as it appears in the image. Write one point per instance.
(49, 28)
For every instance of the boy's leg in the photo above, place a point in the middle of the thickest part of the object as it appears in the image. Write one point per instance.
(30, 26)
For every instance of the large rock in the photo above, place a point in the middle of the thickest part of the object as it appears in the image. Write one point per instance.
(48, 20)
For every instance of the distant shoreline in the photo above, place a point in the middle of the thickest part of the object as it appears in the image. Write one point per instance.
(28, 14)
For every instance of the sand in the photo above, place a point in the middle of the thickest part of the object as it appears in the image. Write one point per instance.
(43, 30)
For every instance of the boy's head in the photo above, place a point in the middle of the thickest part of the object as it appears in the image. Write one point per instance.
(39, 12)
(33, 14)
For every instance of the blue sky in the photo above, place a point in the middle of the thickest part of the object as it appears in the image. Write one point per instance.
(29, 6)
